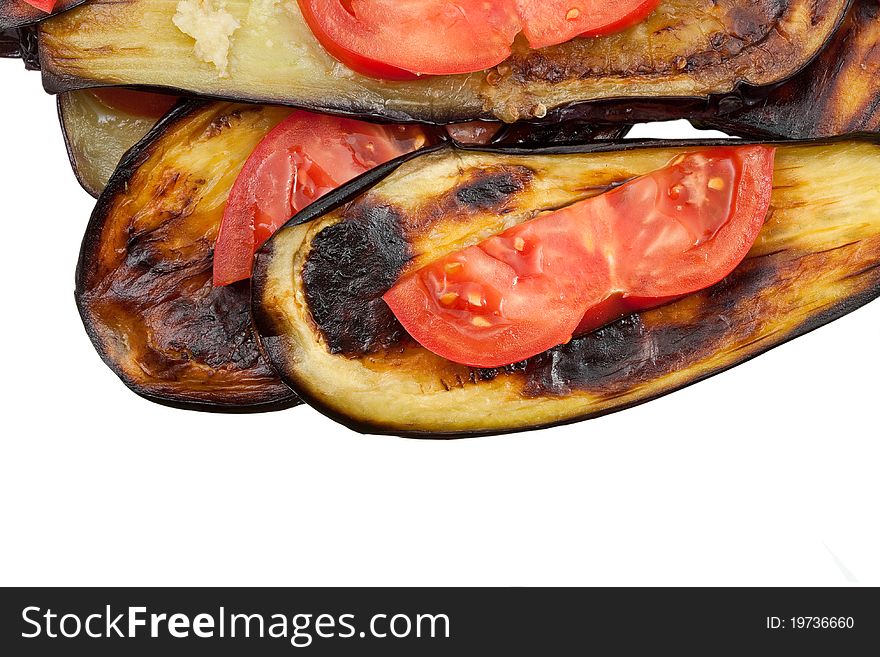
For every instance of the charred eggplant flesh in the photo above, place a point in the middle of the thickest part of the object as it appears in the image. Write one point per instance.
(144, 277)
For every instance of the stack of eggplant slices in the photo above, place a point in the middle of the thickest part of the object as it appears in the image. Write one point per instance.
(421, 218)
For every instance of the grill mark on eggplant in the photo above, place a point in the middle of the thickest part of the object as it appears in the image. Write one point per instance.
(185, 319)
(488, 191)
(350, 266)
(491, 189)
(210, 325)
(730, 315)
(627, 353)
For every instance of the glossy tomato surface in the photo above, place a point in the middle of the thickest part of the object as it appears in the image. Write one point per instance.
(669, 233)
(301, 159)
(549, 22)
(394, 39)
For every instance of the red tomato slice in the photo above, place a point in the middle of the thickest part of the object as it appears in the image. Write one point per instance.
(395, 39)
(301, 159)
(549, 22)
(43, 5)
(670, 233)
(400, 39)
(138, 103)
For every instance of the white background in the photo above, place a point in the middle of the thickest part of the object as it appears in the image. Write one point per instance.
(765, 475)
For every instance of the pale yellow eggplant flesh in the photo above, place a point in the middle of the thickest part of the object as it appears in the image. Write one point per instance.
(817, 258)
(688, 57)
(97, 136)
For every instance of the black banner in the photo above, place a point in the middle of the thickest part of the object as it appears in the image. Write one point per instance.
(278, 621)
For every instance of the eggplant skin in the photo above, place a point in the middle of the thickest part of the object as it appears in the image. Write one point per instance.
(143, 284)
(10, 44)
(688, 57)
(816, 259)
(17, 13)
(838, 93)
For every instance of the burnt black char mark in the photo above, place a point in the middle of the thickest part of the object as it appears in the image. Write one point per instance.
(210, 325)
(614, 359)
(489, 191)
(350, 266)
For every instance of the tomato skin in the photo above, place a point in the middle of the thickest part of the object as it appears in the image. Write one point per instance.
(551, 22)
(138, 103)
(354, 60)
(391, 40)
(661, 236)
(43, 5)
(303, 158)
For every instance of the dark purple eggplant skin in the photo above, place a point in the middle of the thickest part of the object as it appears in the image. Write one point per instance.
(838, 93)
(16, 13)
(531, 134)
(20, 43)
(10, 44)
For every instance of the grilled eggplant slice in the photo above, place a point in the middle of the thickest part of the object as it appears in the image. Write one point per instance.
(318, 285)
(143, 284)
(17, 13)
(97, 136)
(839, 93)
(702, 53)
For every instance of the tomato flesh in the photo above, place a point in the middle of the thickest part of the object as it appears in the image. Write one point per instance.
(391, 39)
(299, 161)
(400, 40)
(661, 236)
(43, 5)
(550, 22)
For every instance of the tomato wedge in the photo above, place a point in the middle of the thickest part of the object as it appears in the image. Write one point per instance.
(666, 234)
(43, 5)
(301, 159)
(396, 40)
(549, 22)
